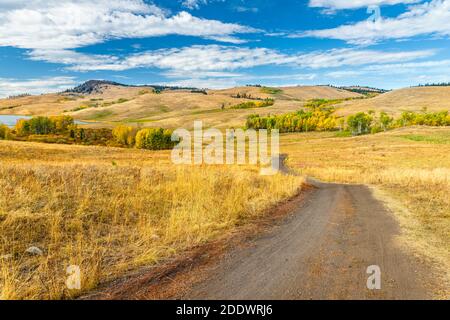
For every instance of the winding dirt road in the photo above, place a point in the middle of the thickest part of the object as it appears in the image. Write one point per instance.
(315, 246)
(321, 251)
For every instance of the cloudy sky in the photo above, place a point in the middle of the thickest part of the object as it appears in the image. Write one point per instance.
(50, 45)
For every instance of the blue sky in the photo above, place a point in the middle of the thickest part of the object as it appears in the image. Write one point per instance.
(48, 46)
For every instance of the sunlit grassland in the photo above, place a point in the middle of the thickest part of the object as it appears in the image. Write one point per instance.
(409, 169)
(112, 210)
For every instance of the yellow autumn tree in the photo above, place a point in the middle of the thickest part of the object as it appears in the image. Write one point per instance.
(124, 135)
(62, 123)
(5, 132)
(22, 127)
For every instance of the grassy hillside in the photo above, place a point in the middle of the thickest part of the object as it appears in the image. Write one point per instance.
(317, 92)
(141, 106)
(55, 104)
(397, 101)
(170, 108)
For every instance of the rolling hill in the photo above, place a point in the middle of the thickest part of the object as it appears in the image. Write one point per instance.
(397, 101)
(106, 104)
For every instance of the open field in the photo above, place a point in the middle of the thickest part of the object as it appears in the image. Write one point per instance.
(409, 169)
(112, 210)
(398, 101)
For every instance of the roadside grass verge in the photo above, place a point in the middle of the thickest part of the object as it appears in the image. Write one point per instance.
(112, 210)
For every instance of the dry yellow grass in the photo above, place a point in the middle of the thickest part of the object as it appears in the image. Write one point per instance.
(317, 92)
(55, 104)
(111, 210)
(409, 167)
(398, 101)
(170, 109)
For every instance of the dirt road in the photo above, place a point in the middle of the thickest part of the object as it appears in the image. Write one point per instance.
(321, 251)
(317, 245)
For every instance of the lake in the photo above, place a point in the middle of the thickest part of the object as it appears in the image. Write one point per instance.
(10, 120)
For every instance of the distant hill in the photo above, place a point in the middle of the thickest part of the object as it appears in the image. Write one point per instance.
(98, 87)
(93, 86)
(363, 89)
(397, 101)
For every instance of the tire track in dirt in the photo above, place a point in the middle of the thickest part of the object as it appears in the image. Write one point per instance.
(322, 251)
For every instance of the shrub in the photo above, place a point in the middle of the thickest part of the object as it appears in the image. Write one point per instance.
(154, 139)
(62, 123)
(428, 119)
(269, 90)
(5, 132)
(324, 104)
(385, 121)
(22, 127)
(254, 104)
(359, 123)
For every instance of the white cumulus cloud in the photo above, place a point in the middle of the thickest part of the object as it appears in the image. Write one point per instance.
(10, 86)
(224, 58)
(68, 24)
(355, 4)
(428, 19)
(196, 4)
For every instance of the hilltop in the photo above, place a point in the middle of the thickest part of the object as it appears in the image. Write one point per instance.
(364, 90)
(94, 86)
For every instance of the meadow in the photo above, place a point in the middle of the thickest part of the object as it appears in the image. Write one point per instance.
(112, 210)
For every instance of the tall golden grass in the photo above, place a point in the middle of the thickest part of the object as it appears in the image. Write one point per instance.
(112, 210)
(413, 178)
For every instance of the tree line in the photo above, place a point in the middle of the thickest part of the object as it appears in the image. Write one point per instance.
(320, 116)
(62, 129)
(254, 104)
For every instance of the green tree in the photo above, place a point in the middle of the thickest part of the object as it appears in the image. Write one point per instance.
(154, 139)
(41, 125)
(385, 121)
(5, 132)
(359, 123)
(124, 135)
(22, 127)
